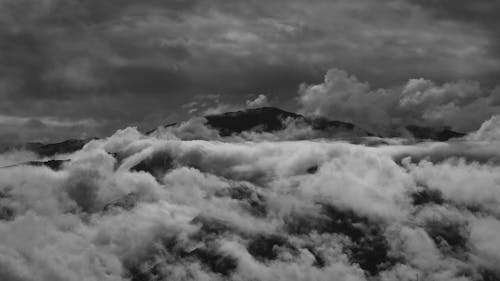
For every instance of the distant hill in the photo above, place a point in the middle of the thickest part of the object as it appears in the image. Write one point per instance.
(271, 119)
(426, 133)
(47, 150)
(264, 119)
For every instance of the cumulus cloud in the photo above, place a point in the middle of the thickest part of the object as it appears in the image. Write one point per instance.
(463, 105)
(489, 130)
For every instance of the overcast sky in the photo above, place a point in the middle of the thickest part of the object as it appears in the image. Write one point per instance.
(73, 68)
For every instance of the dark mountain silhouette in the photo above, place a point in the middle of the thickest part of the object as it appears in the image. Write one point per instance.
(271, 119)
(268, 119)
(53, 164)
(426, 133)
(51, 149)
(264, 119)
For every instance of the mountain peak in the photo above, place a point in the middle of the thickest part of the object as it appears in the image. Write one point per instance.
(264, 118)
(439, 134)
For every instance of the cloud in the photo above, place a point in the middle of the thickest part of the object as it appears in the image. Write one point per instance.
(463, 105)
(485, 242)
(12, 157)
(340, 96)
(194, 128)
(44, 121)
(16, 130)
(187, 204)
(260, 101)
(172, 206)
(489, 130)
(92, 59)
(220, 108)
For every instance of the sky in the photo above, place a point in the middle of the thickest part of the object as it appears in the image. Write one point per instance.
(85, 68)
(187, 203)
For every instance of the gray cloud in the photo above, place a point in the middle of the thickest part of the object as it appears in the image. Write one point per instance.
(483, 13)
(489, 130)
(185, 203)
(463, 105)
(68, 58)
(259, 101)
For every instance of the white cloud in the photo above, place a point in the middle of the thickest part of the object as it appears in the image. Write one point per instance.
(462, 105)
(259, 101)
(99, 218)
(489, 130)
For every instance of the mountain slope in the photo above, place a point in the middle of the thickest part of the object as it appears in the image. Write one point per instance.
(270, 119)
(47, 150)
(426, 133)
(267, 119)
(264, 119)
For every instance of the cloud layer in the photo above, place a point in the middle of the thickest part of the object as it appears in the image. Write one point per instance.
(162, 207)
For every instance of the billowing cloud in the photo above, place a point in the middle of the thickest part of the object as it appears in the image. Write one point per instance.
(489, 130)
(463, 105)
(173, 206)
(186, 203)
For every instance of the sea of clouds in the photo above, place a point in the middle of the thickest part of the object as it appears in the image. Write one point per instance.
(186, 204)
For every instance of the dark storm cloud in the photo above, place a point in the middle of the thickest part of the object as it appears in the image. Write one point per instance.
(130, 62)
(147, 79)
(478, 12)
(483, 14)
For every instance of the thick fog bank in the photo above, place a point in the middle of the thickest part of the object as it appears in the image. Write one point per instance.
(162, 207)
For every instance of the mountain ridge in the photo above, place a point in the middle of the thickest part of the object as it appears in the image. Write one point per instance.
(262, 119)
